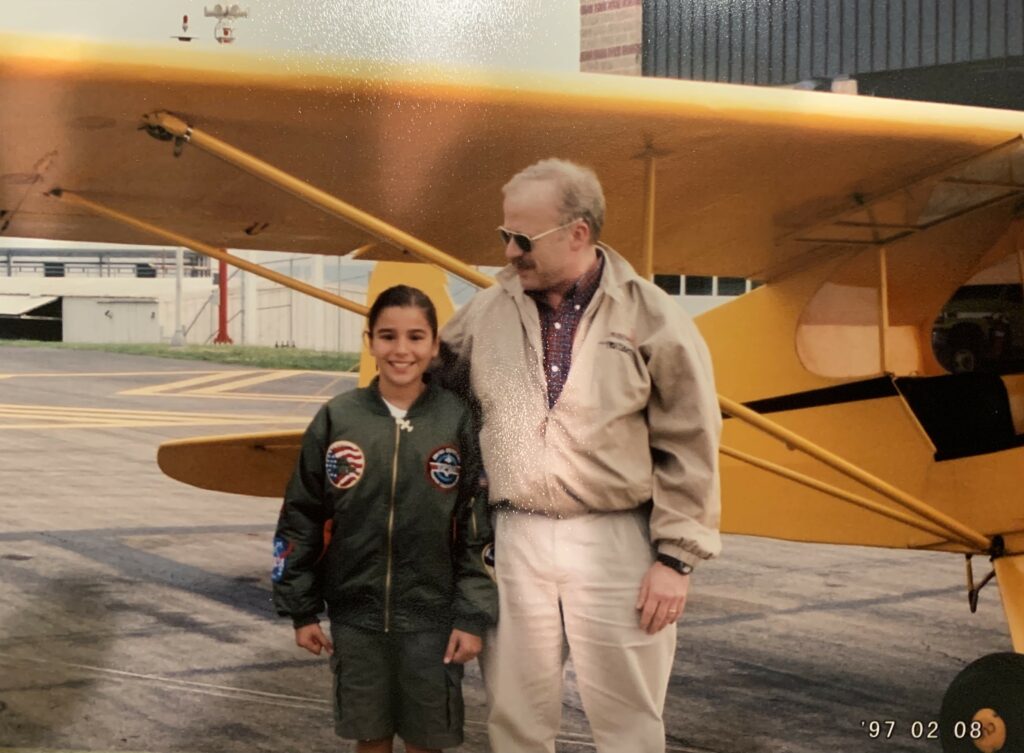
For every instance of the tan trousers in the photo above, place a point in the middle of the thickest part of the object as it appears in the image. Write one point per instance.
(591, 566)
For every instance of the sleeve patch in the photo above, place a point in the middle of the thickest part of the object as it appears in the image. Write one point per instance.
(281, 551)
(488, 559)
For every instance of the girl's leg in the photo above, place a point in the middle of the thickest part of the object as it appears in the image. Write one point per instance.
(374, 746)
(410, 748)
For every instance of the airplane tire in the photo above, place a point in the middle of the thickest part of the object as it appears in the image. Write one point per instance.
(967, 344)
(983, 709)
(965, 360)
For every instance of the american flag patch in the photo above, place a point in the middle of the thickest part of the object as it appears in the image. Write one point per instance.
(344, 464)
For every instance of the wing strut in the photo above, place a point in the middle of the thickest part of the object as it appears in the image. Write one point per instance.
(883, 308)
(647, 271)
(207, 250)
(975, 540)
(900, 517)
(165, 122)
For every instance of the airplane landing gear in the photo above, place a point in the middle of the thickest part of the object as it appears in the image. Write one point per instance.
(983, 709)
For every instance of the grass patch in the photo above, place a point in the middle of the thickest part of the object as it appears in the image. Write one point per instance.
(244, 355)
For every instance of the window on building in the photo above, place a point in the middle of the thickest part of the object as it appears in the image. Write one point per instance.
(145, 270)
(671, 284)
(732, 285)
(698, 285)
(53, 269)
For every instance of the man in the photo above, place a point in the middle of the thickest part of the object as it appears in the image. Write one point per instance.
(599, 436)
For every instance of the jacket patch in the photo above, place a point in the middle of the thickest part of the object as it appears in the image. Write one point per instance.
(487, 556)
(344, 464)
(281, 551)
(443, 467)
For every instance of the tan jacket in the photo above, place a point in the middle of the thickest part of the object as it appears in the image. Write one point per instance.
(638, 419)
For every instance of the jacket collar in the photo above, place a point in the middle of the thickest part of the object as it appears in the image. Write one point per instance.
(375, 401)
(617, 273)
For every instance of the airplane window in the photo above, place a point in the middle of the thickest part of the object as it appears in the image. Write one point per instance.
(981, 330)
(698, 285)
(669, 283)
(732, 285)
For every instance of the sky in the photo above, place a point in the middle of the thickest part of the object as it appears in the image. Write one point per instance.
(512, 34)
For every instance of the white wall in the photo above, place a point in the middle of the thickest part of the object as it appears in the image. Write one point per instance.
(277, 315)
(110, 320)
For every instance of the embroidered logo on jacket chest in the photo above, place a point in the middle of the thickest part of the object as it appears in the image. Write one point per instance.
(444, 467)
(344, 464)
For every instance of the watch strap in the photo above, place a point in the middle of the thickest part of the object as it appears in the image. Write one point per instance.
(676, 564)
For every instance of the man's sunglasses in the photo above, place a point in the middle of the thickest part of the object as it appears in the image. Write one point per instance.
(525, 242)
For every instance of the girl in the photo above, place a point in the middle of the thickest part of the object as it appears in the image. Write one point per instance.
(384, 520)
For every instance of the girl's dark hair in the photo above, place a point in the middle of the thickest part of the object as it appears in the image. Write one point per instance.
(402, 296)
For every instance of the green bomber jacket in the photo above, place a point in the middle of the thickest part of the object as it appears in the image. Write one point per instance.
(385, 520)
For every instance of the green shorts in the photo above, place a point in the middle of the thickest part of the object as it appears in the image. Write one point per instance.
(396, 683)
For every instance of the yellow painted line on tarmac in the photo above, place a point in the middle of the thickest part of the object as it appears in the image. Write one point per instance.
(13, 408)
(139, 424)
(110, 374)
(159, 389)
(259, 396)
(142, 423)
(238, 384)
(52, 417)
(228, 388)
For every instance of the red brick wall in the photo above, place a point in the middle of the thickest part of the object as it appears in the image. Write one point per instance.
(610, 36)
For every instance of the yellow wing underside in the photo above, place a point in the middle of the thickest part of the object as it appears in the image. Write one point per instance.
(738, 168)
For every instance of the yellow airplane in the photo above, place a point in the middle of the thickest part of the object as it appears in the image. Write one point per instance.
(863, 216)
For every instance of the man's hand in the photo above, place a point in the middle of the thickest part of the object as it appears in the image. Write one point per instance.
(312, 638)
(462, 647)
(662, 597)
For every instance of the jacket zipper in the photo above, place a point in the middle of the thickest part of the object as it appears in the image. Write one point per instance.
(391, 528)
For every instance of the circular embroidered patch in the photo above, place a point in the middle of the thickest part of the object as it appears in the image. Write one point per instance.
(487, 555)
(344, 464)
(443, 467)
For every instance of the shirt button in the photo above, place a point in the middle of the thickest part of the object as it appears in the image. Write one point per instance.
(558, 325)
(577, 307)
(554, 369)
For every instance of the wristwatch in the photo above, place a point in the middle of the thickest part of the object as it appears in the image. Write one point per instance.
(678, 565)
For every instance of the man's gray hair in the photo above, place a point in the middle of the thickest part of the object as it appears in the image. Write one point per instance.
(582, 197)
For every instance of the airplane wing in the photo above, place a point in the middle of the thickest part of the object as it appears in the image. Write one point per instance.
(739, 169)
(257, 464)
(751, 182)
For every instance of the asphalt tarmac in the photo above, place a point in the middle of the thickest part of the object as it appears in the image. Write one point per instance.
(135, 611)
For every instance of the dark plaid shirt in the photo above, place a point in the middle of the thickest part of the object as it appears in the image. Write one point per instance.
(558, 326)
